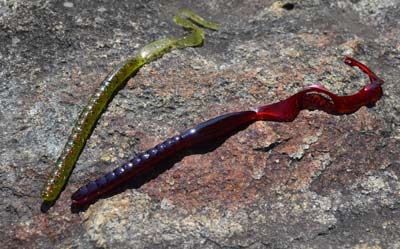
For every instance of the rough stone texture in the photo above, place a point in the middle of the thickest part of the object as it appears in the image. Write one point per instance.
(319, 182)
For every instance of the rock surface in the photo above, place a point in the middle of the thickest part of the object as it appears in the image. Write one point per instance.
(319, 182)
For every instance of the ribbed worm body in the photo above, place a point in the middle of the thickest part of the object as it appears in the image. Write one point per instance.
(85, 124)
(203, 132)
(311, 98)
(108, 88)
(129, 170)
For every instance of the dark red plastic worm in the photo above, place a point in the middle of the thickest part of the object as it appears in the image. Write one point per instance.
(311, 98)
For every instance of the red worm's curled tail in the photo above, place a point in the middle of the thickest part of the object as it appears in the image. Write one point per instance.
(318, 98)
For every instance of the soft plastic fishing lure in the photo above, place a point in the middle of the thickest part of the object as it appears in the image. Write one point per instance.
(311, 98)
(109, 87)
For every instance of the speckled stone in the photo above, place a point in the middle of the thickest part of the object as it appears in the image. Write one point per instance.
(319, 182)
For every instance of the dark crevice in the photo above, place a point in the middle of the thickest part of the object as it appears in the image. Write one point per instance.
(271, 146)
(288, 6)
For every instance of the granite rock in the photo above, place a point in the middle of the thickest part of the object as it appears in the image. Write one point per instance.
(321, 181)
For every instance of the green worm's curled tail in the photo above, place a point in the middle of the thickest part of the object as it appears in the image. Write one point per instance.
(109, 87)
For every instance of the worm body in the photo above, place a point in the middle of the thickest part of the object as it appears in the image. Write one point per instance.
(108, 88)
(201, 133)
(311, 98)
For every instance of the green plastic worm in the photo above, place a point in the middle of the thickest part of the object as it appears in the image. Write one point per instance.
(108, 88)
